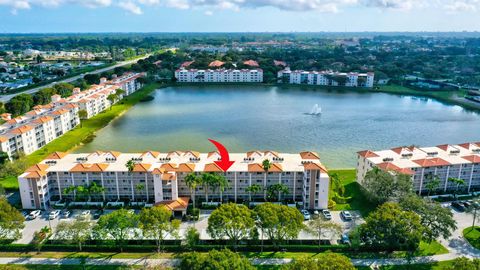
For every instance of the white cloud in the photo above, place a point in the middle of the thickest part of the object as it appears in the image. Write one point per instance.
(332, 6)
(130, 7)
(208, 13)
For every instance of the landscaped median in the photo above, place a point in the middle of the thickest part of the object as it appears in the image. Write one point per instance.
(472, 235)
(83, 132)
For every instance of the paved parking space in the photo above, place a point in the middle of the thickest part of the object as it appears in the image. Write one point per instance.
(31, 226)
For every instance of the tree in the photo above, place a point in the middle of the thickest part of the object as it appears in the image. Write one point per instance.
(119, 92)
(92, 78)
(274, 191)
(11, 221)
(192, 237)
(112, 98)
(206, 180)
(319, 225)
(117, 225)
(253, 189)
(457, 182)
(381, 186)
(192, 180)
(278, 222)
(391, 228)
(437, 221)
(94, 189)
(432, 184)
(82, 114)
(463, 263)
(130, 167)
(266, 165)
(19, 104)
(78, 231)
(156, 222)
(337, 183)
(232, 221)
(323, 261)
(220, 182)
(214, 260)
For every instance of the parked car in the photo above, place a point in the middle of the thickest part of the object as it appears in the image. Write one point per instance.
(54, 214)
(345, 239)
(467, 204)
(25, 214)
(458, 206)
(306, 214)
(326, 214)
(65, 214)
(346, 215)
(97, 214)
(85, 214)
(34, 214)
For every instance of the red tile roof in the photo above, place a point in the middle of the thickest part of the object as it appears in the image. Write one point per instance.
(431, 162)
(367, 154)
(473, 158)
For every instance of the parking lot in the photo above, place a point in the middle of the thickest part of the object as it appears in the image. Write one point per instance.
(31, 226)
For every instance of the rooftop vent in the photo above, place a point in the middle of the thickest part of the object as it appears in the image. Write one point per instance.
(432, 154)
(387, 159)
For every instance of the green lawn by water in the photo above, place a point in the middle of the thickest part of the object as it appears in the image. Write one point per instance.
(352, 189)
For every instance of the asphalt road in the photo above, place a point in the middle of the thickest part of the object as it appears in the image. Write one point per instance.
(5, 98)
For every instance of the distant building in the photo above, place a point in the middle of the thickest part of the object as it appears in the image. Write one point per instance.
(329, 78)
(162, 176)
(251, 63)
(219, 75)
(424, 164)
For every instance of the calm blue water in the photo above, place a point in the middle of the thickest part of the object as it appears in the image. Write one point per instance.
(250, 117)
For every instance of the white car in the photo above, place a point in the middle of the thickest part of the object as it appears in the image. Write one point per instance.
(346, 215)
(85, 214)
(306, 214)
(34, 214)
(54, 214)
(326, 214)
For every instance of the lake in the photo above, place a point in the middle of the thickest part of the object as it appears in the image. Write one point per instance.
(266, 117)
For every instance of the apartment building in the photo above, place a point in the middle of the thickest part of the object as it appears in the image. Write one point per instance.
(95, 99)
(160, 177)
(328, 78)
(219, 75)
(30, 132)
(36, 128)
(425, 163)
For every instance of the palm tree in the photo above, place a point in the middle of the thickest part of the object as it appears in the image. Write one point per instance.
(206, 181)
(139, 187)
(253, 189)
(458, 182)
(433, 184)
(222, 183)
(70, 189)
(82, 114)
(192, 180)
(274, 191)
(337, 183)
(130, 166)
(93, 188)
(119, 92)
(112, 98)
(266, 166)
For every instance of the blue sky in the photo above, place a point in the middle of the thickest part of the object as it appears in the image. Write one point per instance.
(33, 16)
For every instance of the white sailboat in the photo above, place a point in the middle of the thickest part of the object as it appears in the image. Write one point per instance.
(316, 110)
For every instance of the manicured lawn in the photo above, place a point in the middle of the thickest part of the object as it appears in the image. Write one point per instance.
(75, 137)
(9, 182)
(90, 255)
(425, 249)
(352, 189)
(472, 236)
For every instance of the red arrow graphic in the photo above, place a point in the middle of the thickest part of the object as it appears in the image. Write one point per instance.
(224, 163)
